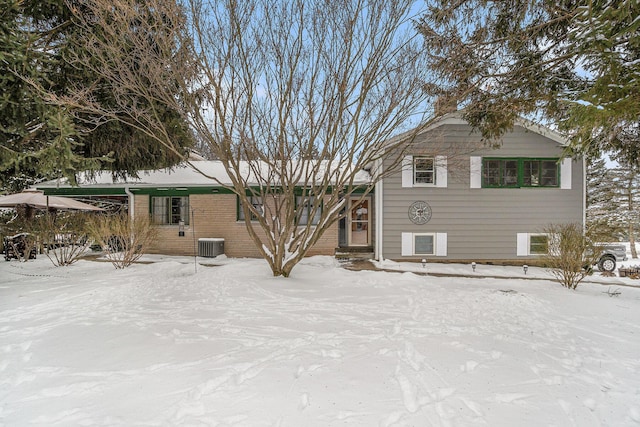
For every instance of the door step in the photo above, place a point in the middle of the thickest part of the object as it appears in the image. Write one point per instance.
(354, 252)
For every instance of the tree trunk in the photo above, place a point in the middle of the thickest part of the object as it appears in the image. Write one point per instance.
(630, 207)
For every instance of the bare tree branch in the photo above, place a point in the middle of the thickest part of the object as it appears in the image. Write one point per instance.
(294, 98)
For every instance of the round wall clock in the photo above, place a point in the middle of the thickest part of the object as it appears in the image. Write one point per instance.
(420, 212)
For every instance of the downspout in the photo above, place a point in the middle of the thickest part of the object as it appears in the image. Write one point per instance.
(379, 210)
(131, 202)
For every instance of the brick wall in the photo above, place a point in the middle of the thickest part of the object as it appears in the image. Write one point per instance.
(214, 215)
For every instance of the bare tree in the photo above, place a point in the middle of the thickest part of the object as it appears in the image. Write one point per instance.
(295, 98)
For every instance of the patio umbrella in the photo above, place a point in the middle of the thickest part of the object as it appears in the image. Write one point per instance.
(37, 199)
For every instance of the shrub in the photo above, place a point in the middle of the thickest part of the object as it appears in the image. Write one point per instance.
(16, 237)
(122, 239)
(62, 236)
(571, 253)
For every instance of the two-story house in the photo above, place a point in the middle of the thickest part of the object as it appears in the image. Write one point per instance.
(458, 199)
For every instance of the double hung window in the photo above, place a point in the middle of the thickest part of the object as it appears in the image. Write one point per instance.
(424, 171)
(256, 202)
(305, 208)
(170, 210)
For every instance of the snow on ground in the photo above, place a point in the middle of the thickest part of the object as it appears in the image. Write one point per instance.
(161, 344)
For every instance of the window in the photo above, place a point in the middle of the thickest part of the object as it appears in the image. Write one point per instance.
(500, 173)
(423, 244)
(304, 206)
(520, 172)
(424, 170)
(540, 173)
(256, 202)
(538, 244)
(533, 244)
(170, 210)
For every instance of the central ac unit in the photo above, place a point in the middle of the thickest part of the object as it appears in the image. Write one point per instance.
(210, 247)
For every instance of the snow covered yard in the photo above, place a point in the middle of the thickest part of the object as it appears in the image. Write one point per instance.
(160, 345)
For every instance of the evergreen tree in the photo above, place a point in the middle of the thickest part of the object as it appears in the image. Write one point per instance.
(601, 211)
(573, 63)
(37, 139)
(626, 185)
(41, 138)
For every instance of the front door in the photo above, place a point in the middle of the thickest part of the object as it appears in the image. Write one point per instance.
(359, 222)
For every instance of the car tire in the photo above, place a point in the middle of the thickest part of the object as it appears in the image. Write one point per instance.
(607, 263)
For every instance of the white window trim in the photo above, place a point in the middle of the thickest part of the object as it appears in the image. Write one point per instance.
(407, 171)
(475, 175)
(439, 244)
(565, 174)
(440, 173)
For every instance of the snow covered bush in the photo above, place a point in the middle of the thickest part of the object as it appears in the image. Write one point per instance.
(571, 253)
(123, 239)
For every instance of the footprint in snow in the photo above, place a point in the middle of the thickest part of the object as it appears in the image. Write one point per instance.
(304, 401)
(334, 354)
(469, 366)
(301, 369)
(409, 393)
(509, 397)
(634, 414)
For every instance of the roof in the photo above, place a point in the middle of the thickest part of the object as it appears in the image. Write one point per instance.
(455, 118)
(192, 174)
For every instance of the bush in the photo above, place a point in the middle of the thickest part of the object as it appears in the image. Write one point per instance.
(17, 241)
(62, 236)
(571, 253)
(122, 239)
